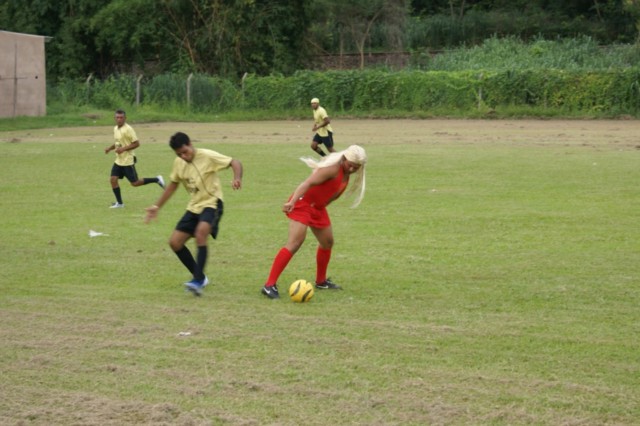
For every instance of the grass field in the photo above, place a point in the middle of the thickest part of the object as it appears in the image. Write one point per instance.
(491, 276)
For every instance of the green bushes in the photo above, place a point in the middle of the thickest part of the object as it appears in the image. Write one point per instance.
(206, 93)
(551, 92)
(551, 78)
(441, 31)
(609, 92)
(511, 53)
(360, 91)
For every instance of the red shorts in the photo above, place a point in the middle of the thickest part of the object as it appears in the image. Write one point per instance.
(311, 216)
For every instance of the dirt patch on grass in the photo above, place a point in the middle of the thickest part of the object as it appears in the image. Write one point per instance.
(590, 134)
(87, 409)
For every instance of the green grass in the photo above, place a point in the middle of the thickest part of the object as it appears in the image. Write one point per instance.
(487, 281)
(87, 117)
(61, 116)
(512, 53)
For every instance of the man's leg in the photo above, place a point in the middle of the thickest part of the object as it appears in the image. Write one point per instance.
(116, 189)
(316, 148)
(146, 181)
(177, 243)
(328, 142)
(202, 233)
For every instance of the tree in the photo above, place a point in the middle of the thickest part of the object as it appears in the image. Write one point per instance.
(633, 8)
(233, 37)
(456, 11)
(224, 37)
(129, 32)
(72, 50)
(357, 18)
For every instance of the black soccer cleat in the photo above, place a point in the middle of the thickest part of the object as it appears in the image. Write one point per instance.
(328, 284)
(271, 291)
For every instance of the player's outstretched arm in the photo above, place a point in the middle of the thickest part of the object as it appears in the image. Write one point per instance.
(152, 211)
(236, 166)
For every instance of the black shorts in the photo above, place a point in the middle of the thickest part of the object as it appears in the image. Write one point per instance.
(326, 140)
(125, 171)
(190, 220)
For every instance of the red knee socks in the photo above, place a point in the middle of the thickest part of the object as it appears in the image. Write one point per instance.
(279, 263)
(322, 262)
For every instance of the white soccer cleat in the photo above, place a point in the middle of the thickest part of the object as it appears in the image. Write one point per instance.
(160, 181)
(116, 205)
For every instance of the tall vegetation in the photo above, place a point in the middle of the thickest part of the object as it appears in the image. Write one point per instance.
(227, 38)
(512, 53)
(263, 37)
(353, 24)
(568, 77)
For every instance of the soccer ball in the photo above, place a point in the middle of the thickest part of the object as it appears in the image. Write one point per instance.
(301, 291)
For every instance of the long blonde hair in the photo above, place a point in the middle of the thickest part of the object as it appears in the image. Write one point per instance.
(355, 154)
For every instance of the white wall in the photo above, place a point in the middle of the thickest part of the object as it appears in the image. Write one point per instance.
(23, 87)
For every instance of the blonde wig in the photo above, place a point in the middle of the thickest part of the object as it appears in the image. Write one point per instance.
(356, 154)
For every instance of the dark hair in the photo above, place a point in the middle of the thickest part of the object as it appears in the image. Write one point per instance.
(178, 140)
(121, 111)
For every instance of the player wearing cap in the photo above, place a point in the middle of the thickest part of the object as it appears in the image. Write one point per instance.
(322, 128)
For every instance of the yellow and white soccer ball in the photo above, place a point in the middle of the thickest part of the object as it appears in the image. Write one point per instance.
(301, 291)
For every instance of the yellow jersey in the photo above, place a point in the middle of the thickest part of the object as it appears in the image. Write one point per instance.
(200, 178)
(124, 136)
(319, 114)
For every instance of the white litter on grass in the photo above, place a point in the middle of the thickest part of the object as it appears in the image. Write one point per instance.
(93, 233)
(184, 333)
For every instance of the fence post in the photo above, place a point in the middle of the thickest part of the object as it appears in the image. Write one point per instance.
(88, 83)
(189, 90)
(15, 79)
(244, 76)
(480, 91)
(138, 90)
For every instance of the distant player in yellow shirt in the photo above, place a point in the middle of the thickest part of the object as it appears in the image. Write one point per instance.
(125, 164)
(197, 170)
(322, 127)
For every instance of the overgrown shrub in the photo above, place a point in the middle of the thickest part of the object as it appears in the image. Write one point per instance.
(615, 91)
(575, 76)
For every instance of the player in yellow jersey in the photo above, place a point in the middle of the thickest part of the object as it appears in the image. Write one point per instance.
(125, 163)
(322, 127)
(197, 170)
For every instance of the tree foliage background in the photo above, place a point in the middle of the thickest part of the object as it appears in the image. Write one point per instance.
(229, 38)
